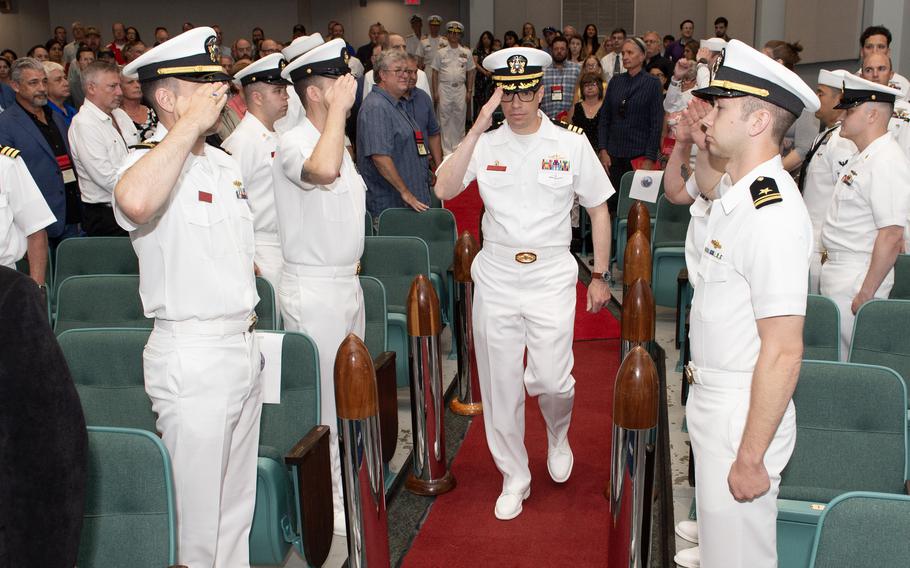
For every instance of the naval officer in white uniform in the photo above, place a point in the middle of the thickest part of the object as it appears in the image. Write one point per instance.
(321, 202)
(184, 205)
(252, 145)
(528, 170)
(747, 312)
(864, 228)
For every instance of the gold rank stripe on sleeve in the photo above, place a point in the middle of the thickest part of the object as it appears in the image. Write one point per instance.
(9, 151)
(569, 127)
(764, 192)
(144, 146)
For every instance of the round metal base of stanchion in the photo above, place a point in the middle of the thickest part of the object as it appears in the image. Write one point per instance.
(432, 487)
(465, 409)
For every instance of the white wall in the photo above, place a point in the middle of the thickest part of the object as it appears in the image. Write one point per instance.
(26, 26)
(236, 19)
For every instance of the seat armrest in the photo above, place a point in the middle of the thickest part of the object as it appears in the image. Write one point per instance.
(387, 388)
(310, 461)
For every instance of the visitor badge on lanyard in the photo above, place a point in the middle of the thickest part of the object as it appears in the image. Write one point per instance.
(556, 94)
(66, 168)
(421, 147)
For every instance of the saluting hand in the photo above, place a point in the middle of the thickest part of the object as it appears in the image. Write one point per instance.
(342, 93)
(202, 109)
(689, 127)
(485, 116)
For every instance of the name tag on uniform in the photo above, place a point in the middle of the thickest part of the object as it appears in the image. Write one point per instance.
(66, 169)
(205, 197)
(556, 93)
(497, 167)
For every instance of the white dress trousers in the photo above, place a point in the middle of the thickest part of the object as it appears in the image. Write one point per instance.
(841, 281)
(517, 307)
(209, 373)
(326, 304)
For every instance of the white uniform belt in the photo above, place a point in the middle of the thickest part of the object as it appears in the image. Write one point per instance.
(522, 255)
(325, 271)
(214, 327)
(734, 380)
(844, 256)
(264, 238)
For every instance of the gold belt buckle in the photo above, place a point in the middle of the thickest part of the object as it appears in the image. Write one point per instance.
(253, 319)
(690, 376)
(526, 257)
(824, 256)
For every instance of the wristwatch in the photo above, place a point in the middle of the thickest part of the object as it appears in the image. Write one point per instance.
(605, 276)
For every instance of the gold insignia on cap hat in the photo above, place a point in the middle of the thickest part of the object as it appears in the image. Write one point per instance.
(517, 64)
(211, 46)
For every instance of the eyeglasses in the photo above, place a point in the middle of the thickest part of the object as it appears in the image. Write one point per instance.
(398, 71)
(523, 96)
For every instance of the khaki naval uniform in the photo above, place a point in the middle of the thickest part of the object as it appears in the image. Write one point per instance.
(452, 64)
(253, 145)
(872, 192)
(321, 229)
(822, 174)
(528, 187)
(202, 360)
(754, 261)
(23, 210)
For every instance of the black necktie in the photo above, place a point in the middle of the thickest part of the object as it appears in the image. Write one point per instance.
(822, 140)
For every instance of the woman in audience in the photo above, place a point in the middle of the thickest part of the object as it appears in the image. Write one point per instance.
(690, 50)
(529, 35)
(4, 71)
(132, 35)
(483, 84)
(576, 50)
(590, 40)
(9, 55)
(144, 118)
(586, 112)
(658, 72)
(510, 39)
(497, 44)
(591, 64)
(798, 139)
(54, 51)
(38, 52)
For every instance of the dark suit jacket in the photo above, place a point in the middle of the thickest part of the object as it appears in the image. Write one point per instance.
(7, 96)
(18, 130)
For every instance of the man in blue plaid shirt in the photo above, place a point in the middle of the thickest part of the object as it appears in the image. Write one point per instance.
(559, 79)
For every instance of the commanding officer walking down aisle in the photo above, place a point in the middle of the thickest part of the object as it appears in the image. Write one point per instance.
(748, 310)
(528, 170)
(321, 203)
(184, 205)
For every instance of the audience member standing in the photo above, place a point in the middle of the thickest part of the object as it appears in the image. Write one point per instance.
(631, 116)
(686, 29)
(612, 62)
(143, 117)
(586, 112)
(453, 84)
(69, 50)
(431, 45)
(392, 154)
(84, 57)
(720, 28)
(653, 58)
(119, 42)
(58, 91)
(100, 137)
(414, 40)
(33, 128)
(559, 80)
(365, 51)
(877, 39)
(590, 40)
(483, 82)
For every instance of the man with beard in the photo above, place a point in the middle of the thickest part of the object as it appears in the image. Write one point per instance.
(559, 80)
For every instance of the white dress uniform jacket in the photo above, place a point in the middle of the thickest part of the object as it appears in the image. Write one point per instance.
(452, 64)
(252, 146)
(23, 210)
(527, 184)
(754, 261)
(202, 361)
(872, 192)
(99, 146)
(321, 229)
(818, 190)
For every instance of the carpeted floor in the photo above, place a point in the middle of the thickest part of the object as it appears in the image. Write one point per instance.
(562, 524)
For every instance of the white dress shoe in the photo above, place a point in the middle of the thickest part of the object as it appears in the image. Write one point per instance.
(688, 530)
(339, 528)
(559, 463)
(688, 558)
(508, 506)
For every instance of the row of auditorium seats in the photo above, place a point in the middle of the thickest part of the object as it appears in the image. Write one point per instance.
(95, 308)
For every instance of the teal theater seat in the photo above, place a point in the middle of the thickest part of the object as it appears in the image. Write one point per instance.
(266, 309)
(863, 530)
(668, 250)
(95, 255)
(851, 436)
(821, 330)
(100, 300)
(901, 288)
